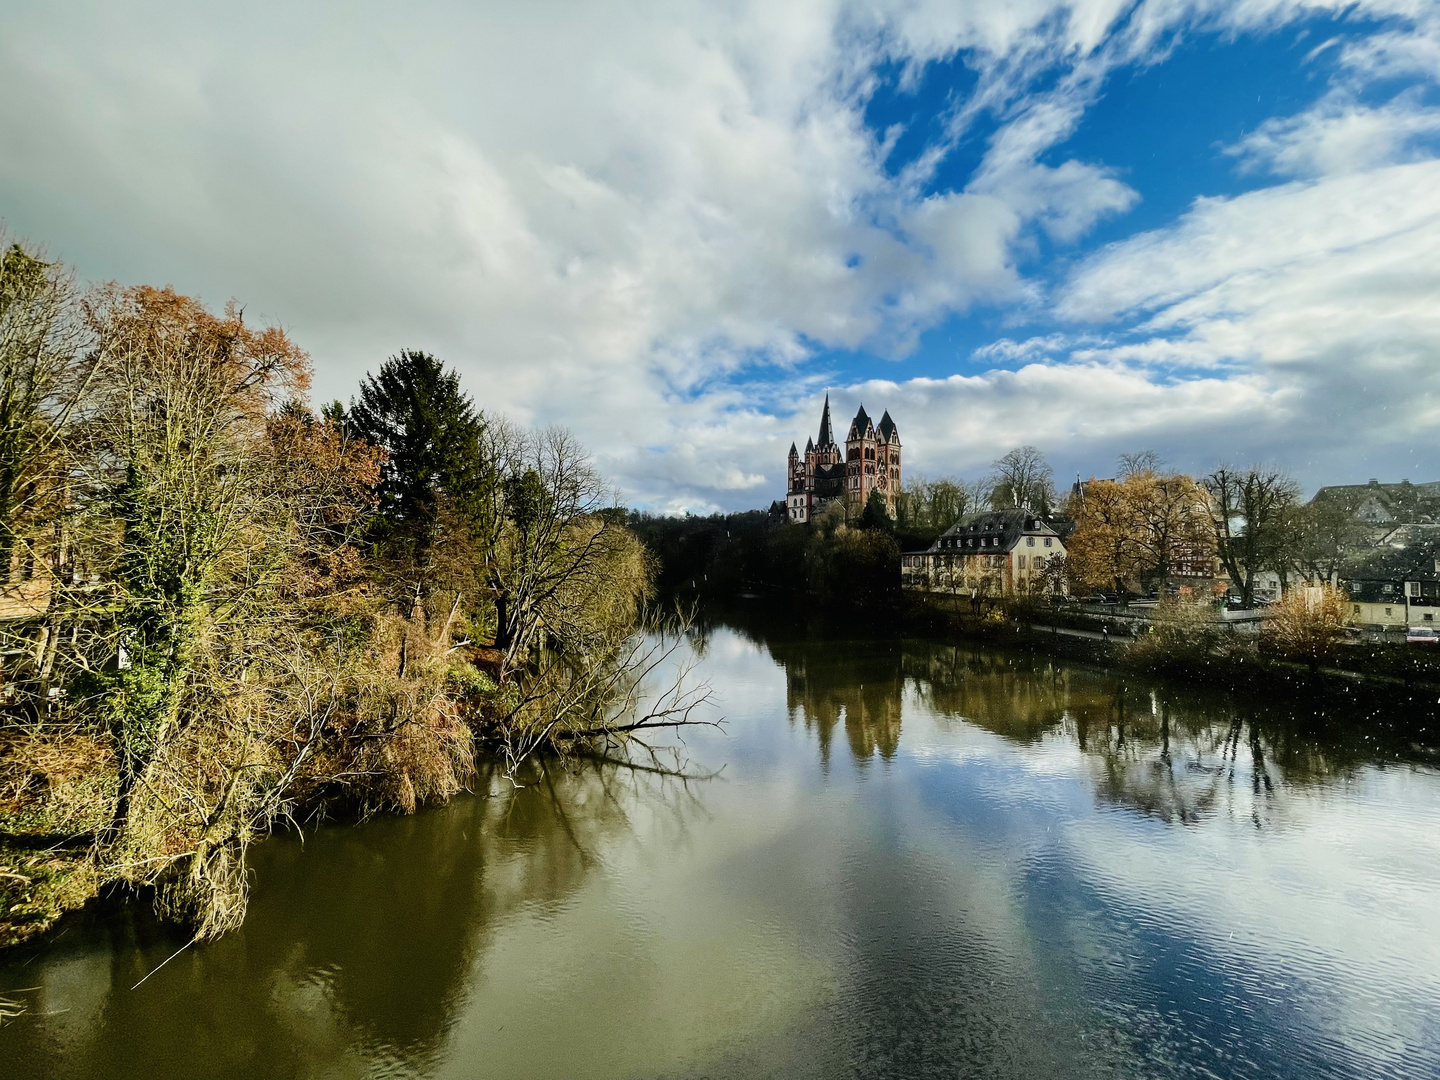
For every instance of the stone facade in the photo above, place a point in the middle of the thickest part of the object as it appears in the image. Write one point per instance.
(825, 474)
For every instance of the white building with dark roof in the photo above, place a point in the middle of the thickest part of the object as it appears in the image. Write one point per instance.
(994, 553)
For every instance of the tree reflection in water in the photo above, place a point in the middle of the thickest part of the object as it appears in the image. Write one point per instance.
(1174, 752)
(361, 953)
(861, 686)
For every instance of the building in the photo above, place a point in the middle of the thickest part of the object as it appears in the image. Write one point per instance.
(995, 553)
(1383, 505)
(1396, 588)
(870, 462)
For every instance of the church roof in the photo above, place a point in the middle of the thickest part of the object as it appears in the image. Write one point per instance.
(861, 424)
(809, 445)
(887, 430)
(827, 438)
(794, 452)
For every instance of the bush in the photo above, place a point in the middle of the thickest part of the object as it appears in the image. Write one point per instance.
(1306, 625)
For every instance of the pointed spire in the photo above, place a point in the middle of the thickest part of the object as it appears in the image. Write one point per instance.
(793, 452)
(887, 428)
(826, 436)
(861, 424)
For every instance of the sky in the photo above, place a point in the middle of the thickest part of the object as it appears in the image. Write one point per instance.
(1207, 229)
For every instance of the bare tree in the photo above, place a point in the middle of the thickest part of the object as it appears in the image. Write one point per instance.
(1248, 511)
(1137, 463)
(1022, 479)
(43, 374)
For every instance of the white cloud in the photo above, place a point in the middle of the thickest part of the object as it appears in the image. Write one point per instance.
(1340, 135)
(605, 215)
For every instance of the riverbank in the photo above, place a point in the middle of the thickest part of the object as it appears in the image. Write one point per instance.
(1370, 676)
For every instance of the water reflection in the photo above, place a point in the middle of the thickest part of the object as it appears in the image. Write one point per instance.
(359, 950)
(860, 687)
(1175, 752)
(922, 858)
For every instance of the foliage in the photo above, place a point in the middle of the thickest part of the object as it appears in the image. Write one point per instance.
(250, 614)
(1136, 529)
(926, 508)
(42, 374)
(877, 514)
(430, 430)
(827, 563)
(1306, 624)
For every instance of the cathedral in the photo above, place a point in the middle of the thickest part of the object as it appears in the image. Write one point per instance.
(871, 462)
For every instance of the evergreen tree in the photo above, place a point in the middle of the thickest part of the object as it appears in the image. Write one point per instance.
(877, 514)
(416, 412)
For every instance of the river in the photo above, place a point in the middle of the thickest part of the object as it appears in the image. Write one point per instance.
(918, 858)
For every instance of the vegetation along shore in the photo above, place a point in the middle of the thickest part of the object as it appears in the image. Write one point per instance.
(225, 610)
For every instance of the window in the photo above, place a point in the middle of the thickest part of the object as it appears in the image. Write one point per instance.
(1029, 541)
(1357, 609)
(1429, 617)
(1047, 541)
(1022, 562)
(1387, 611)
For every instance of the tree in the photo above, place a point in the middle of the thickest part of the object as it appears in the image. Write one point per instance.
(1137, 528)
(928, 507)
(42, 377)
(1248, 513)
(186, 522)
(1022, 479)
(877, 514)
(1318, 536)
(548, 546)
(1137, 463)
(431, 432)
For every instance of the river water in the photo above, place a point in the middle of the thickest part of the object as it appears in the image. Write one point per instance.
(918, 859)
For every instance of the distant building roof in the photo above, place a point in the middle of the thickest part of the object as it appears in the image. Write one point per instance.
(992, 531)
(1418, 562)
(1383, 504)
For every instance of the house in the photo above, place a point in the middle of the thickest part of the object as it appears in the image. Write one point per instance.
(871, 462)
(1395, 588)
(1383, 506)
(994, 553)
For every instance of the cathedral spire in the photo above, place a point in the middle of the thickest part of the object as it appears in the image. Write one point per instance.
(826, 437)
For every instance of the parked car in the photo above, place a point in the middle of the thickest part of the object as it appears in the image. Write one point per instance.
(1422, 635)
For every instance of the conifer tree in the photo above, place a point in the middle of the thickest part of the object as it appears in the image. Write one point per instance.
(416, 412)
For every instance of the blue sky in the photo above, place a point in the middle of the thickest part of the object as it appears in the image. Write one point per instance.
(1208, 229)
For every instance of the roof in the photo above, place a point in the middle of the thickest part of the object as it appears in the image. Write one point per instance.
(999, 529)
(1418, 562)
(827, 438)
(861, 425)
(1382, 504)
(794, 452)
(887, 429)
